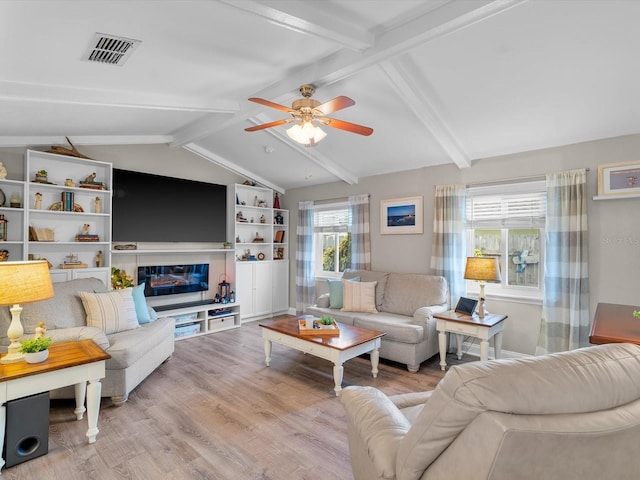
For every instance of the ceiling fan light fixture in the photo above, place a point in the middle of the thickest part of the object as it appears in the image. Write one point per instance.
(306, 133)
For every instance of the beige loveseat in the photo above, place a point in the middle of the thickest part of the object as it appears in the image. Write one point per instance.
(403, 308)
(135, 353)
(569, 416)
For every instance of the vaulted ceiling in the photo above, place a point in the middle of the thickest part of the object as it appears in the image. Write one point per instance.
(439, 81)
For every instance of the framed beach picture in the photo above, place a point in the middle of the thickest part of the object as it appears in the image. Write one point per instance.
(619, 178)
(401, 215)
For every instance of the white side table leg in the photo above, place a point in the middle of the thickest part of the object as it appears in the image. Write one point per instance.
(459, 339)
(375, 358)
(3, 425)
(338, 371)
(442, 346)
(267, 351)
(484, 350)
(93, 408)
(497, 344)
(81, 392)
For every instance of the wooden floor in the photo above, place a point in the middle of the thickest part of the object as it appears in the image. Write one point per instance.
(215, 411)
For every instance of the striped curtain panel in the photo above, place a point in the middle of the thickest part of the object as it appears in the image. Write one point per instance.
(305, 274)
(449, 249)
(565, 303)
(360, 232)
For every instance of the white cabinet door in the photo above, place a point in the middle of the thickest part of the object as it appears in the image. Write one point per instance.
(263, 286)
(244, 289)
(280, 282)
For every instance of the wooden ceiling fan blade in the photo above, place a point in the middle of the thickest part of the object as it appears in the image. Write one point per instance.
(267, 103)
(268, 125)
(349, 127)
(334, 105)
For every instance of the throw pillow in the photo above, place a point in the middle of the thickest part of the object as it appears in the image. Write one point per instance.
(111, 312)
(335, 291)
(359, 296)
(140, 302)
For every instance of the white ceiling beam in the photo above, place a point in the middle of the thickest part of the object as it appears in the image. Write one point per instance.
(17, 141)
(231, 166)
(418, 96)
(448, 18)
(308, 152)
(54, 94)
(308, 18)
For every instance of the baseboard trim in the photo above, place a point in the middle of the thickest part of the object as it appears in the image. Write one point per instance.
(473, 349)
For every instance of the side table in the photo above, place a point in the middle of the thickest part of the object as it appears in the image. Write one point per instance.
(69, 363)
(460, 324)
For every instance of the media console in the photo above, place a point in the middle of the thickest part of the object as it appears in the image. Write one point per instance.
(201, 317)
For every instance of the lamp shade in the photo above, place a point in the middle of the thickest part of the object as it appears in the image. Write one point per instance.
(23, 282)
(306, 133)
(485, 269)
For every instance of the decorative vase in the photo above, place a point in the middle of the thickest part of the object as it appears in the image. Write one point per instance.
(36, 357)
(40, 177)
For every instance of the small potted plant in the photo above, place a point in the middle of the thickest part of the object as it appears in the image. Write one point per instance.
(35, 350)
(227, 245)
(327, 322)
(41, 176)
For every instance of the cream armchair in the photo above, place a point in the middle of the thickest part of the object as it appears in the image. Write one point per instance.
(572, 415)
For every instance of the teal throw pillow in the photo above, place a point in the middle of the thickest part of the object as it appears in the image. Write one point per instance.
(336, 291)
(142, 312)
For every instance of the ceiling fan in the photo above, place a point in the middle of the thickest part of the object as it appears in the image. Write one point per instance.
(306, 112)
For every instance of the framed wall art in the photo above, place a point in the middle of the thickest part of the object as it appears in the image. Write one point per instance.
(401, 215)
(616, 179)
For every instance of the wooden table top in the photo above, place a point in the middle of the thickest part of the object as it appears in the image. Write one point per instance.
(61, 355)
(614, 323)
(350, 336)
(489, 320)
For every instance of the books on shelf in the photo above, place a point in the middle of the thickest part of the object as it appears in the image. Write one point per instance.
(87, 238)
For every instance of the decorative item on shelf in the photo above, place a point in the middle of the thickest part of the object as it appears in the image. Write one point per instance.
(21, 282)
(3, 198)
(73, 262)
(278, 253)
(69, 183)
(41, 234)
(90, 182)
(251, 220)
(240, 218)
(227, 245)
(59, 207)
(3, 172)
(263, 204)
(37, 204)
(120, 279)
(42, 176)
(276, 201)
(3, 228)
(261, 256)
(224, 288)
(67, 201)
(97, 205)
(99, 259)
(238, 239)
(483, 270)
(70, 152)
(263, 219)
(15, 200)
(4, 255)
(249, 183)
(35, 350)
(255, 201)
(125, 246)
(279, 237)
(278, 219)
(258, 238)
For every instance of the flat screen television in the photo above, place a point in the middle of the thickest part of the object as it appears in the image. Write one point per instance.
(154, 208)
(172, 279)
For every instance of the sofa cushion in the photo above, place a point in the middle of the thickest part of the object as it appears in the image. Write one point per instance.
(406, 292)
(336, 291)
(112, 311)
(359, 296)
(370, 276)
(128, 346)
(140, 303)
(398, 328)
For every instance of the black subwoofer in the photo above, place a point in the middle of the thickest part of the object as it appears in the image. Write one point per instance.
(27, 429)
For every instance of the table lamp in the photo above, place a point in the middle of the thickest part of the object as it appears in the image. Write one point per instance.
(483, 270)
(22, 282)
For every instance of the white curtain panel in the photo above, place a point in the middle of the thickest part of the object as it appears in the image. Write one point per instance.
(305, 271)
(360, 232)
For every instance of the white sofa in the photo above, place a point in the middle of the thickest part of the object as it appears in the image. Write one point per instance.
(569, 416)
(404, 308)
(135, 353)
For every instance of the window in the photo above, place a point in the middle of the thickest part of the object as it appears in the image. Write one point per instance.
(507, 222)
(333, 241)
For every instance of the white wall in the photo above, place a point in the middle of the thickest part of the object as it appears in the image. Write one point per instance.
(614, 225)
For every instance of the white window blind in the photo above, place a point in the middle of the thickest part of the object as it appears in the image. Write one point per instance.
(331, 218)
(513, 205)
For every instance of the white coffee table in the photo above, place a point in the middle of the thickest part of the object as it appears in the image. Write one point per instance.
(352, 342)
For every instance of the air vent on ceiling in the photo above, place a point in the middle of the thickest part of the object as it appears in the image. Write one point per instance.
(111, 49)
